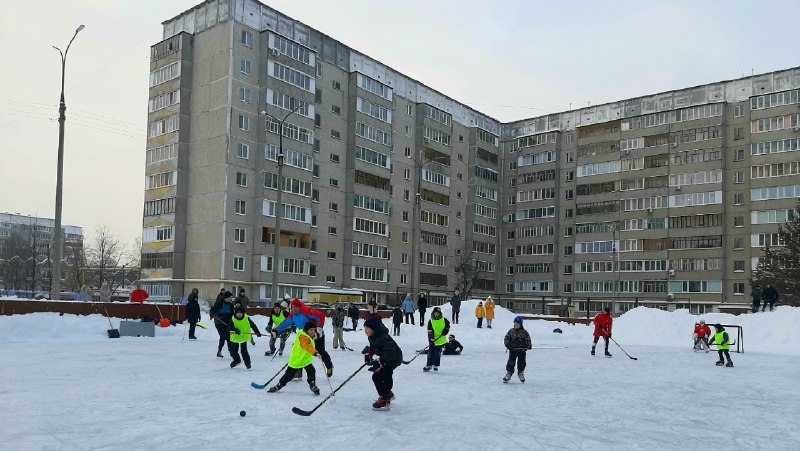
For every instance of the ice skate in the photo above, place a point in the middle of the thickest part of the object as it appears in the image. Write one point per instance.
(381, 404)
(521, 375)
(507, 377)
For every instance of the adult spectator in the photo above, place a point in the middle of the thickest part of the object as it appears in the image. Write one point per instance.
(756, 295)
(408, 308)
(455, 303)
(139, 295)
(422, 305)
(192, 312)
(770, 297)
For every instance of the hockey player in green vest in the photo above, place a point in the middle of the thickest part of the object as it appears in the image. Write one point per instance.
(242, 331)
(302, 358)
(723, 343)
(438, 328)
(278, 316)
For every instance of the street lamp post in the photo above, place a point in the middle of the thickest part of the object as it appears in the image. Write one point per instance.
(420, 163)
(278, 204)
(58, 236)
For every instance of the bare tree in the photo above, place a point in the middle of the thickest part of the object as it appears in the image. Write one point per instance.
(14, 258)
(467, 272)
(108, 260)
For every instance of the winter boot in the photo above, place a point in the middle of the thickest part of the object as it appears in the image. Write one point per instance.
(592, 350)
(521, 375)
(608, 354)
(247, 366)
(313, 388)
(235, 362)
(729, 364)
(381, 404)
(435, 368)
(507, 377)
(391, 395)
(427, 368)
(269, 353)
(275, 388)
(280, 352)
(720, 363)
(219, 354)
(329, 371)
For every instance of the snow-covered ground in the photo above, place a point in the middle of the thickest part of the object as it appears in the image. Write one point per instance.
(65, 385)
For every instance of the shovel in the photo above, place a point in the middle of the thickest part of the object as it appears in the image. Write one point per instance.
(112, 333)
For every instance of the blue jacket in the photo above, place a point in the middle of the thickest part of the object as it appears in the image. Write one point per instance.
(298, 320)
(408, 305)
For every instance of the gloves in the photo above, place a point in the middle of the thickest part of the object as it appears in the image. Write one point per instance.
(367, 350)
(609, 335)
(367, 359)
(236, 331)
(375, 367)
(258, 334)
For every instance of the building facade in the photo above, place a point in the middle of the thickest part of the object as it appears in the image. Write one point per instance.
(388, 184)
(26, 250)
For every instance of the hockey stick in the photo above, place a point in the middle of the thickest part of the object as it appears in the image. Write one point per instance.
(620, 347)
(419, 353)
(306, 413)
(549, 347)
(263, 386)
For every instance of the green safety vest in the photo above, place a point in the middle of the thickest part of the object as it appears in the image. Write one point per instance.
(244, 327)
(300, 358)
(438, 327)
(718, 339)
(277, 320)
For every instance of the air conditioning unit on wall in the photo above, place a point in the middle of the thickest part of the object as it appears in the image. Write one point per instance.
(671, 272)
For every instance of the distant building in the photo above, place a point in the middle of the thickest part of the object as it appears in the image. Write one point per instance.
(664, 198)
(25, 253)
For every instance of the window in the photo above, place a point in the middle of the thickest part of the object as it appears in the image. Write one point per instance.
(241, 207)
(331, 255)
(330, 279)
(163, 101)
(738, 243)
(331, 230)
(738, 266)
(408, 152)
(738, 155)
(374, 86)
(244, 123)
(243, 151)
(336, 85)
(165, 74)
(319, 69)
(567, 269)
(333, 206)
(738, 133)
(245, 66)
(291, 76)
(738, 111)
(405, 237)
(334, 158)
(334, 182)
(336, 109)
(241, 179)
(403, 279)
(161, 180)
(738, 177)
(409, 110)
(335, 134)
(407, 174)
(239, 235)
(247, 38)
(738, 288)
(238, 263)
(317, 120)
(406, 195)
(567, 250)
(159, 207)
(162, 153)
(738, 221)
(315, 170)
(405, 216)
(738, 199)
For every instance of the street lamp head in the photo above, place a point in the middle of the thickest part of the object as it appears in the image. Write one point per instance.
(80, 28)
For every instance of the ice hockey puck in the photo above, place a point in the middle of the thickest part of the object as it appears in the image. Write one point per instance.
(242, 413)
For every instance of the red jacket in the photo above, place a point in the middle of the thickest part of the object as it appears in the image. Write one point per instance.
(603, 321)
(311, 313)
(702, 331)
(139, 295)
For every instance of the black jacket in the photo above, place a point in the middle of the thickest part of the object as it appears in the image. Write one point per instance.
(770, 294)
(222, 312)
(456, 303)
(353, 312)
(397, 315)
(192, 308)
(422, 303)
(453, 347)
(385, 347)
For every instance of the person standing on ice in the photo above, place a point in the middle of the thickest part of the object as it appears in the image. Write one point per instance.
(242, 329)
(277, 318)
(301, 314)
(770, 297)
(353, 312)
(397, 320)
(602, 328)
(723, 343)
(422, 306)
(438, 328)
(389, 357)
(408, 308)
(192, 312)
(222, 312)
(337, 318)
(701, 332)
(302, 357)
(489, 306)
(480, 313)
(517, 342)
(755, 294)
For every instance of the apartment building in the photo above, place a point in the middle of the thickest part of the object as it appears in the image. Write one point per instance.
(387, 183)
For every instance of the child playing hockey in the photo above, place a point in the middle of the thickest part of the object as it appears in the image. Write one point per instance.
(723, 345)
(242, 331)
(517, 342)
(389, 357)
(701, 334)
(438, 327)
(279, 315)
(602, 328)
(302, 356)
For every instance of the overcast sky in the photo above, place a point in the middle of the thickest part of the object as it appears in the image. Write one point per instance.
(508, 59)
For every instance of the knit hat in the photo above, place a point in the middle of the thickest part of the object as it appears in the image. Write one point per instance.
(227, 295)
(238, 310)
(241, 290)
(277, 304)
(297, 303)
(437, 309)
(607, 309)
(309, 325)
(518, 320)
(373, 323)
(284, 304)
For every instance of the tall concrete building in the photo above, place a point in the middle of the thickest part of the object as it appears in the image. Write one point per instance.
(667, 199)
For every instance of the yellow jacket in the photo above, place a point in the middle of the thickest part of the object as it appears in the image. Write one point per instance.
(480, 312)
(489, 305)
